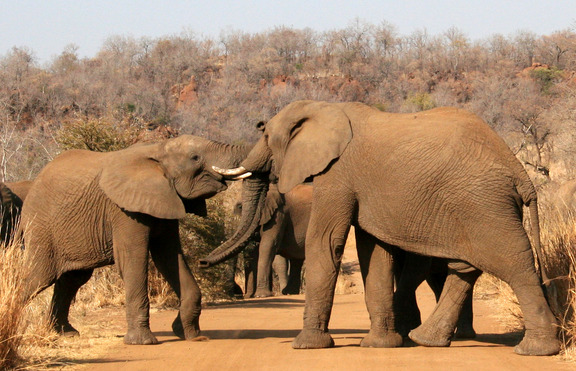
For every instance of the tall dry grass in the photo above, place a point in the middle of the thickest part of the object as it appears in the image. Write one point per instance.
(13, 271)
(558, 231)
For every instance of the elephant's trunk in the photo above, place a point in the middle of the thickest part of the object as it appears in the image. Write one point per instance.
(254, 193)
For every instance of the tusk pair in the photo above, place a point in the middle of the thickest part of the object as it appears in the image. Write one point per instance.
(234, 174)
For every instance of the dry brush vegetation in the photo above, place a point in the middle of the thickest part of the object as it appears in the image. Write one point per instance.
(523, 85)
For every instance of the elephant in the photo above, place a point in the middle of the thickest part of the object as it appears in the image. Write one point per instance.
(90, 209)
(282, 234)
(287, 231)
(12, 195)
(439, 183)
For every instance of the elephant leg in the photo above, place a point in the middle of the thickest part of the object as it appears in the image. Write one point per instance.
(294, 277)
(269, 239)
(436, 280)
(167, 255)
(376, 265)
(413, 272)
(540, 337)
(65, 290)
(131, 255)
(439, 328)
(280, 266)
(328, 229)
(465, 328)
(250, 271)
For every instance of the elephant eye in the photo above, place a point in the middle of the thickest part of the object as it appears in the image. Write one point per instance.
(195, 158)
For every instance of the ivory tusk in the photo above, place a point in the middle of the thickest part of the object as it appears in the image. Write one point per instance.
(239, 171)
(243, 176)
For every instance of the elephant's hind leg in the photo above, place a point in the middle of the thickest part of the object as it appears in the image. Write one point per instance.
(540, 337)
(438, 329)
(65, 290)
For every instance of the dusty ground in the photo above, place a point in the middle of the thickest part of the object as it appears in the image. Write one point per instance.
(256, 335)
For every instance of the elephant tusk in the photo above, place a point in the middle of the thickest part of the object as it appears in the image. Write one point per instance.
(243, 176)
(236, 174)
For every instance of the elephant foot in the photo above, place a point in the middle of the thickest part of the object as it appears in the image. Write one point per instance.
(382, 339)
(66, 330)
(313, 339)
(192, 332)
(140, 336)
(421, 336)
(465, 332)
(290, 291)
(538, 346)
(262, 293)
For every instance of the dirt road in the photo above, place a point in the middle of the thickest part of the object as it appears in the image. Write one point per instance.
(256, 335)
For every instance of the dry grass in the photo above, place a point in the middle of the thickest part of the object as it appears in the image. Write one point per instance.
(12, 271)
(559, 240)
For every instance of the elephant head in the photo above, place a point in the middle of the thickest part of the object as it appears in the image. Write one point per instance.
(167, 179)
(300, 142)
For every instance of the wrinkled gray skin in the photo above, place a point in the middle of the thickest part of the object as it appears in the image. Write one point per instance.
(438, 183)
(89, 209)
(12, 195)
(281, 238)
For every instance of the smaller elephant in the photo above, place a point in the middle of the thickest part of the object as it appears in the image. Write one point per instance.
(282, 235)
(12, 195)
(90, 209)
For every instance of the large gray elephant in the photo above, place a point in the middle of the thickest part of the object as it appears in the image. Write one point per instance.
(284, 223)
(12, 195)
(280, 242)
(438, 183)
(90, 209)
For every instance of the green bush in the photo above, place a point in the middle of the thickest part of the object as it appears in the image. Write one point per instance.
(423, 101)
(546, 77)
(96, 135)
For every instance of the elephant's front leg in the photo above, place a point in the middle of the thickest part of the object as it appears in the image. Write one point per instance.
(167, 255)
(376, 265)
(325, 240)
(131, 256)
(438, 329)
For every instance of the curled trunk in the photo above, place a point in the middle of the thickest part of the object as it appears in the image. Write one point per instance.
(254, 193)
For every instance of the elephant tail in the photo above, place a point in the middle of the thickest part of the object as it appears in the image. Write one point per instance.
(536, 242)
(548, 286)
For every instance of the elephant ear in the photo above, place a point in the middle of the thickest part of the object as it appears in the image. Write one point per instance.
(134, 180)
(316, 138)
(274, 202)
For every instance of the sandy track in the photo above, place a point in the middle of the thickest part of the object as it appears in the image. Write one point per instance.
(256, 335)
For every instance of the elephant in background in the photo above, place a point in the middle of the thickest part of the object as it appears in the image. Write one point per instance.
(280, 242)
(90, 209)
(12, 195)
(410, 270)
(440, 183)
